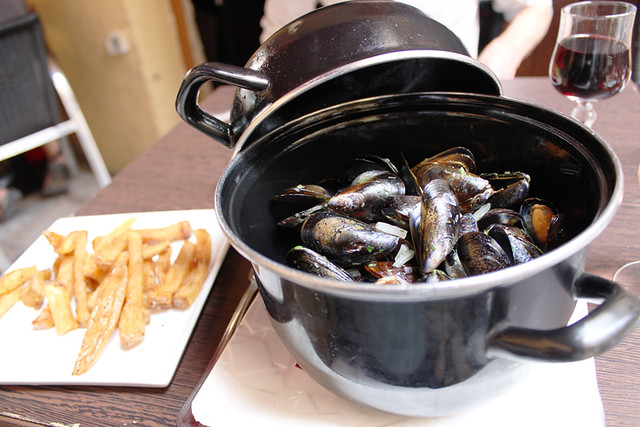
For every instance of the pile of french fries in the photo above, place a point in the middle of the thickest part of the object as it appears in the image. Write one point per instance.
(128, 275)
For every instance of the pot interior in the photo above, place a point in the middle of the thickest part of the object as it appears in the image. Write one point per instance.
(569, 165)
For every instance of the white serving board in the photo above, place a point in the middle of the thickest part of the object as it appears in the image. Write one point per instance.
(34, 357)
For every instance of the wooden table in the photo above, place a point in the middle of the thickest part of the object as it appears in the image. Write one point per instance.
(180, 172)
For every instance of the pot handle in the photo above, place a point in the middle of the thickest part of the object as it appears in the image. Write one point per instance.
(592, 335)
(187, 99)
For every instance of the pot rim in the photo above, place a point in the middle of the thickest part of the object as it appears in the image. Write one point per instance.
(360, 64)
(449, 289)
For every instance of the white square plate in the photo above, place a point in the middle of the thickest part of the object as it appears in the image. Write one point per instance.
(256, 382)
(35, 357)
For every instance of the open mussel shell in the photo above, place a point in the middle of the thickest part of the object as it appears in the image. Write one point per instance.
(304, 193)
(503, 216)
(456, 156)
(510, 189)
(368, 162)
(540, 218)
(389, 273)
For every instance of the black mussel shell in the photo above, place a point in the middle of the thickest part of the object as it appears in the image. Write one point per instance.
(367, 195)
(397, 209)
(459, 157)
(503, 216)
(510, 189)
(346, 241)
(515, 242)
(435, 226)
(480, 253)
(305, 259)
(471, 190)
(368, 162)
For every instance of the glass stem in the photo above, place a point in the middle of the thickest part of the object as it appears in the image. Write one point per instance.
(584, 112)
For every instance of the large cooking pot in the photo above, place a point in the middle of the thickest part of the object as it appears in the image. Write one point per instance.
(432, 349)
(334, 54)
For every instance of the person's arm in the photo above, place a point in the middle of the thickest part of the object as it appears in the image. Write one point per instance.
(505, 53)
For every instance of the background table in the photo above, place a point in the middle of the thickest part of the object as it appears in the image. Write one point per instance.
(180, 172)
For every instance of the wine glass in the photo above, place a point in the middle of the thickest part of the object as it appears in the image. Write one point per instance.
(628, 274)
(592, 57)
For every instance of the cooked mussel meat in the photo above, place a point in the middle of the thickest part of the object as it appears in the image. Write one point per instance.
(542, 221)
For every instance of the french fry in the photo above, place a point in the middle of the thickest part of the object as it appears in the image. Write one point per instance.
(59, 303)
(172, 233)
(79, 282)
(107, 248)
(33, 295)
(161, 295)
(152, 249)
(54, 239)
(187, 293)
(162, 264)
(64, 273)
(92, 272)
(106, 256)
(132, 320)
(104, 316)
(149, 275)
(61, 244)
(44, 320)
(8, 299)
(16, 278)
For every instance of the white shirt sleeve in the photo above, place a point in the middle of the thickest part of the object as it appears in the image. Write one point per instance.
(510, 8)
(278, 13)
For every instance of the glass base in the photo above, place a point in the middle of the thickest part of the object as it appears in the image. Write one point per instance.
(628, 274)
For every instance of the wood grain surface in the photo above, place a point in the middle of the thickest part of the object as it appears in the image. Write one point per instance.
(180, 172)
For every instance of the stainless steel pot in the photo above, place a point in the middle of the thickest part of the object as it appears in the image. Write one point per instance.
(432, 349)
(338, 53)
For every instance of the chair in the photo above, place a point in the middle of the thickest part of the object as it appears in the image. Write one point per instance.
(29, 111)
(32, 89)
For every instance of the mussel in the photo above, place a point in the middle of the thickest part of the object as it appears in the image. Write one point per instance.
(367, 194)
(438, 220)
(346, 241)
(479, 253)
(312, 262)
(435, 226)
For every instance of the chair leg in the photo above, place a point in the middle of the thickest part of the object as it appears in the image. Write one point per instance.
(85, 137)
(69, 156)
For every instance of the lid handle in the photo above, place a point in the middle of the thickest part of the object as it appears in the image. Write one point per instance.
(187, 99)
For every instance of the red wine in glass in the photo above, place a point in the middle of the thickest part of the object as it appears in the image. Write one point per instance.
(590, 67)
